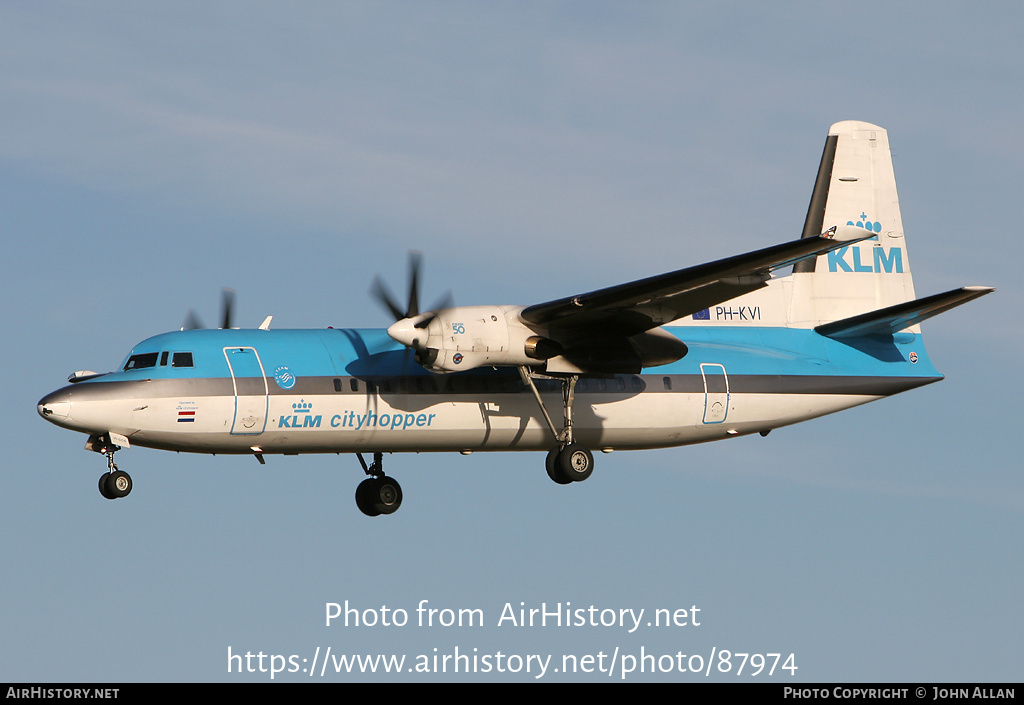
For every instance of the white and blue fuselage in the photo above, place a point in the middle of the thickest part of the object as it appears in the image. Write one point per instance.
(342, 390)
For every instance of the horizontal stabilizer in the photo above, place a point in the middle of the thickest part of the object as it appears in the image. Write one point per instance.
(886, 321)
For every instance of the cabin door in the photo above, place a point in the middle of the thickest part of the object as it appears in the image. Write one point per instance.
(251, 393)
(716, 392)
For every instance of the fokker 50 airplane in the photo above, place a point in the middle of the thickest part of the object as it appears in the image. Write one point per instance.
(740, 352)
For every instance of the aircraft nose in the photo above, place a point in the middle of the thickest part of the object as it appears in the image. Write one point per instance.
(55, 406)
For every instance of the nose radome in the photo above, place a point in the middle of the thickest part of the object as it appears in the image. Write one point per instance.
(54, 406)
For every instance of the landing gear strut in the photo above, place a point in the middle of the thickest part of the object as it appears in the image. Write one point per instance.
(377, 494)
(114, 483)
(570, 461)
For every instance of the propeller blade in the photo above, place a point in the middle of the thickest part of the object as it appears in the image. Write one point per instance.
(380, 291)
(227, 307)
(415, 263)
(446, 301)
(383, 295)
(191, 321)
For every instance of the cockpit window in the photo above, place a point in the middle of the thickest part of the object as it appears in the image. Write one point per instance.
(138, 362)
(181, 359)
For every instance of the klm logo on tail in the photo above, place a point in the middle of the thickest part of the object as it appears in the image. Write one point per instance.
(889, 261)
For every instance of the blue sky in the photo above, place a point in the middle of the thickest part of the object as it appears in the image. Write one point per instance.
(152, 155)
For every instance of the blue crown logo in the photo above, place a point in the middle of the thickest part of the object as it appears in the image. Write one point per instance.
(863, 222)
(302, 407)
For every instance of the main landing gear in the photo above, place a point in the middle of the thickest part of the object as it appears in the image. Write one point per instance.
(570, 461)
(573, 463)
(377, 494)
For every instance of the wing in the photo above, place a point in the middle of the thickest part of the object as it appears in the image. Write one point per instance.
(629, 309)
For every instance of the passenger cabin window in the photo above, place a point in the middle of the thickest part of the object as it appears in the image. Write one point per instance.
(182, 359)
(138, 362)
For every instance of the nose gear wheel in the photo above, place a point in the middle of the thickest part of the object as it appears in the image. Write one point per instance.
(114, 483)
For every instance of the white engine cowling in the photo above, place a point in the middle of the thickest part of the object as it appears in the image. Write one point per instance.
(462, 338)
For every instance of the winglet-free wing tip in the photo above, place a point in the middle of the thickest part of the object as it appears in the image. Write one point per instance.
(847, 233)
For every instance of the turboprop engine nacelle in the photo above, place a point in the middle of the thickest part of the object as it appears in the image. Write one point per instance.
(455, 339)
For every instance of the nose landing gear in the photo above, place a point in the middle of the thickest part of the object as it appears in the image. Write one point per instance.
(114, 483)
